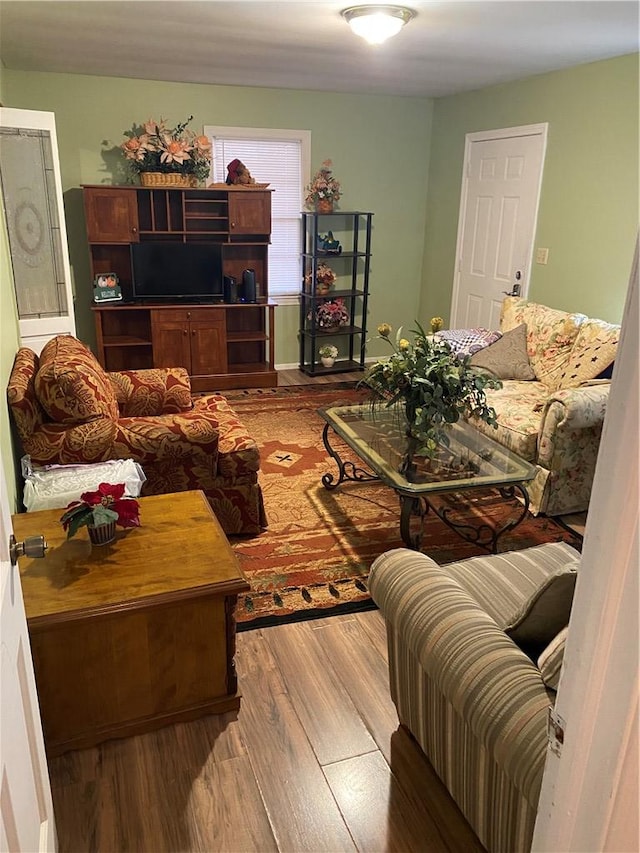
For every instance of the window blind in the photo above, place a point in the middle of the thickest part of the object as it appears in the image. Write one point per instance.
(277, 162)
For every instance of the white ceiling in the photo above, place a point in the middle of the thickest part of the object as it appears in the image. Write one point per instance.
(450, 47)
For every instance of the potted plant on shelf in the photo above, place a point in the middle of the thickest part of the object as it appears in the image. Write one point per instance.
(331, 314)
(433, 387)
(325, 279)
(328, 354)
(323, 191)
(100, 511)
(167, 157)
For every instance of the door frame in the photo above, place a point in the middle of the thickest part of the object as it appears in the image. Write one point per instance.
(541, 130)
(590, 788)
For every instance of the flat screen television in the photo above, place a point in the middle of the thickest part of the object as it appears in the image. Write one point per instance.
(177, 271)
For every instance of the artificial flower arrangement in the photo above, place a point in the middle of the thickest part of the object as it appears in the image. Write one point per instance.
(323, 186)
(153, 147)
(325, 278)
(332, 313)
(328, 351)
(103, 506)
(432, 383)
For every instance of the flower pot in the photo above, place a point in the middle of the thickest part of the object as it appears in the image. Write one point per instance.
(327, 361)
(102, 534)
(324, 205)
(165, 179)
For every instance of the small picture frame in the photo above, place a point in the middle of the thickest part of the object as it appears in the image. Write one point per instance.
(106, 288)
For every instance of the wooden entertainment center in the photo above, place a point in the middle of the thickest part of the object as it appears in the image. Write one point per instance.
(222, 345)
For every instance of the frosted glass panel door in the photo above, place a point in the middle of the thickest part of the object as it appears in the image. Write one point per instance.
(34, 214)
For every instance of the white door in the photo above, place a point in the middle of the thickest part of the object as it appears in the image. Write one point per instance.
(34, 212)
(497, 223)
(27, 810)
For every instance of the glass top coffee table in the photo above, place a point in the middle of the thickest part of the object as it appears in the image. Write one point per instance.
(471, 461)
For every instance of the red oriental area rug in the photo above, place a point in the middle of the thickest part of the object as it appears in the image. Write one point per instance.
(314, 558)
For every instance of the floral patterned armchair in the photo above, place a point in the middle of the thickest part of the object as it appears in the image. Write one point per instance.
(68, 410)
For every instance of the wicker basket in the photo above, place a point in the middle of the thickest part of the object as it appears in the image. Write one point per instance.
(166, 179)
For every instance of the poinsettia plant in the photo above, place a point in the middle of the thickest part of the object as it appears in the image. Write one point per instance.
(101, 507)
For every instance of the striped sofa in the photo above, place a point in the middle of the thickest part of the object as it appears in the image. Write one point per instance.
(473, 700)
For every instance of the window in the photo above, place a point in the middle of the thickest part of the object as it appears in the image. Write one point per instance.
(281, 159)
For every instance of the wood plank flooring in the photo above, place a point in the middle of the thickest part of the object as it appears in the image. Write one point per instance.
(314, 761)
(297, 377)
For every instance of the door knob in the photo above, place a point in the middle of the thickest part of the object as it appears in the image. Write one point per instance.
(33, 546)
(515, 290)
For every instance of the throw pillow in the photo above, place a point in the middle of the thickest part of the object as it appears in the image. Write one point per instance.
(594, 350)
(71, 385)
(550, 661)
(551, 336)
(506, 358)
(467, 341)
(546, 611)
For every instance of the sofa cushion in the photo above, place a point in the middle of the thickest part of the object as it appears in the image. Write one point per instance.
(549, 343)
(519, 407)
(550, 661)
(546, 611)
(71, 385)
(550, 336)
(506, 358)
(468, 341)
(594, 350)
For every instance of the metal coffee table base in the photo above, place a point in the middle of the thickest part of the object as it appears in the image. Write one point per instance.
(484, 534)
(414, 506)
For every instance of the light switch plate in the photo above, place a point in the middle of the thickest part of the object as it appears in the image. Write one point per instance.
(542, 256)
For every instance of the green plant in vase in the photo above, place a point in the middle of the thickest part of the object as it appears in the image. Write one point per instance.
(328, 354)
(432, 384)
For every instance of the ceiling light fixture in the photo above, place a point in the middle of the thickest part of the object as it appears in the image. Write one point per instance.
(377, 23)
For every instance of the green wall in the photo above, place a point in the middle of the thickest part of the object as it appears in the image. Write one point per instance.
(588, 216)
(369, 138)
(399, 157)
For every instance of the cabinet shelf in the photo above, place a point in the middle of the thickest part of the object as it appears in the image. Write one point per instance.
(353, 229)
(332, 256)
(239, 337)
(319, 332)
(333, 294)
(249, 367)
(340, 366)
(125, 341)
(221, 345)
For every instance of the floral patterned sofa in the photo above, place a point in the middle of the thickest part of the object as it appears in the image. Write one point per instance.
(554, 417)
(68, 410)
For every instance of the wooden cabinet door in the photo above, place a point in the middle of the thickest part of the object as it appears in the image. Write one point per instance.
(208, 333)
(111, 214)
(249, 212)
(171, 339)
